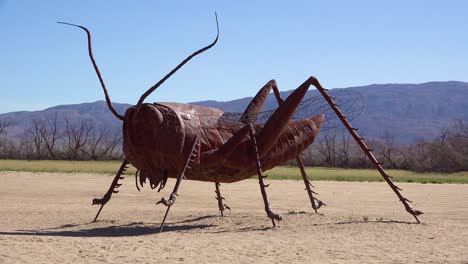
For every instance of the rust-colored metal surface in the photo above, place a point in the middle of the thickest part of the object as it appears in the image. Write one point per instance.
(155, 142)
(189, 142)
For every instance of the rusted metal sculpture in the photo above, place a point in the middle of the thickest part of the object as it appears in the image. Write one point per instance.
(183, 141)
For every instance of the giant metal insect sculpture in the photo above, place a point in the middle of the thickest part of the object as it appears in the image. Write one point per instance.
(190, 142)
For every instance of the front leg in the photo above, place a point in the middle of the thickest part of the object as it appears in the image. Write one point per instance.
(172, 198)
(112, 189)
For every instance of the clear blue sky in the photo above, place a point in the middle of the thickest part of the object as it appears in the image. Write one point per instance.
(343, 43)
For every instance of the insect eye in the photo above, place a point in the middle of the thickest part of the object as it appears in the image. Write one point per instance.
(154, 116)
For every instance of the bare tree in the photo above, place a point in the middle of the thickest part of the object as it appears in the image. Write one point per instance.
(457, 137)
(34, 138)
(4, 124)
(101, 143)
(344, 153)
(50, 134)
(327, 147)
(93, 146)
(360, 159)
(111, 143)
(420, 156)
(25, 148)
(77, 136)
(455, 145)
(389, 150)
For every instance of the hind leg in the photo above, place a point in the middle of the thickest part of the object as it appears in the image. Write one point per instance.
(255, 106)
(249, 116)
(316, 203)
(406, 203)
(271, 131)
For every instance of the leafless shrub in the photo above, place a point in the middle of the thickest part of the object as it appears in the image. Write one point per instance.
(50, 134)
(448, 153)
(101, 144)
(327, 147)
(4, 124)
(76, 137)
(33, 139)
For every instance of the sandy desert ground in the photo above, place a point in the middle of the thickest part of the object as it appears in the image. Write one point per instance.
(45, 218)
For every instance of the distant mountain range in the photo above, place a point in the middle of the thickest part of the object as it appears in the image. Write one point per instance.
(406, 111)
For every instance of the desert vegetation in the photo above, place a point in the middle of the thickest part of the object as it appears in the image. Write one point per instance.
(51, 138)
(447, 153)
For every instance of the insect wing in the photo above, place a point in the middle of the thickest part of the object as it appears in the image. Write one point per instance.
(350, 102)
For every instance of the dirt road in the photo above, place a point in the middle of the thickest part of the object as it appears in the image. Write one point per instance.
(45, 218)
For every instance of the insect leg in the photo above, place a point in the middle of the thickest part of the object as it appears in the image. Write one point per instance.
(112, 188)
(316, 203)
(406, 203)
(272, 129)
(227, 149)
(172, 198)
(222, 206)
(255, 106)
(273, 216)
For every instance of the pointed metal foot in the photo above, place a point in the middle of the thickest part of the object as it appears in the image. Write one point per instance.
(221, 206)
(97, 215)
(100, 202)
(164, 219)
(315, 203)
(167, 202)
(273, 216)
(172, 198)
(318, 204)
(415, 213)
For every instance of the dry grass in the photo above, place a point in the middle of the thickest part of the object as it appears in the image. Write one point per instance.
(285, 172)
(367, 175)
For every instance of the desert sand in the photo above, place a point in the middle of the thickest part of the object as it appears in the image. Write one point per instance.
(46, 218)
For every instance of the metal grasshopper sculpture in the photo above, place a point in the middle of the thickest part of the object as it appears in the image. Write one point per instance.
(183, 141)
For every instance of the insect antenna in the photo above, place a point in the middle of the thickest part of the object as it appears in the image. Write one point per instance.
(90, 51)
(154, 87)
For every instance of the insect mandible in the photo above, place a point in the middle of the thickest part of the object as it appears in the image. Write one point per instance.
(190, 142)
